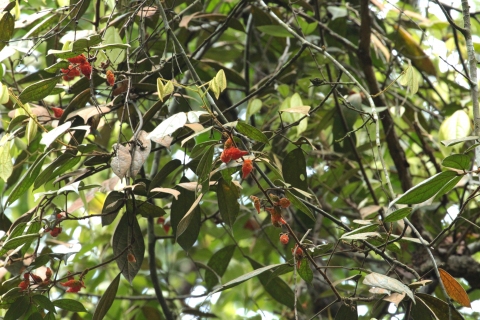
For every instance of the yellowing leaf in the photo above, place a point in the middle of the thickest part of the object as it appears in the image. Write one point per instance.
(6, 166)
(454, 289)
(160, 89)
(410, 79)
(221, 80)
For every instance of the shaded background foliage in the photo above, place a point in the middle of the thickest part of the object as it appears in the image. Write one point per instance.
(299, 76)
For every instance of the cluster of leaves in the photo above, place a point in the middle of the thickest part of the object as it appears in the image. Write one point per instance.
(142, 166)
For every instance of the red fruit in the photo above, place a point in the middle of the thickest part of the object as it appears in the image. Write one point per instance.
(86, 69)
(48, 274)
(57, 112)
(228, 143)
(256, 203)
(298, 252)
(26, 276)
(110, 77)
(78, 59)
(70, 73)
(284, 203)
(284, 238)
(276, 216)
(247, 167)
(36, 278)
(161, 220)
(56, 231)
(232, 153)
(23, 285)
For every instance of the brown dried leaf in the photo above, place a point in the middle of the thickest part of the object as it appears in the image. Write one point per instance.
(376, 290)
(140, 150)
(121, 161)
(88, 112)
(173, 192)
(395, 298)
(454, 289)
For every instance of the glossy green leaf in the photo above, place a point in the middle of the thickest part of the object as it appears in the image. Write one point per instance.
(44, 302)
(218, 262)
(57, 66)
(275, 30)
(298, 204)
(180, 207)
(128, 239)
(69, 305)
(6, 165)
(438, 307)
(204, 168)
(305, 272)
(276, 287)
(294, 169)
(426, 189)
(107, 299)
(398, 215)
(347, 312)
(27, 180)
(457, 161)
(164, 172)
(7, 24)
(17, 309)
(145, 209)
(227, 197)
(112, 205)
(38, 90)
(46, 174)
(251, 132)
(364, 229)
(245, 277)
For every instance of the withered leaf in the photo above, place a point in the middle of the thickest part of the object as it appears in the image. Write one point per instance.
(121, 160)
(140, 150)
(454, 289)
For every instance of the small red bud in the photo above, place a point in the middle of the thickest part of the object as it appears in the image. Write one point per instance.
(247, 167)
(284, 238)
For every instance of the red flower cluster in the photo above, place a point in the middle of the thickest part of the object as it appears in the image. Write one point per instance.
(110, 77)
(57, 112)
(276, 216)
(80, 65)
(247, 167)
(36, 279)
(55, 231)
(230, 152)
(73, 285)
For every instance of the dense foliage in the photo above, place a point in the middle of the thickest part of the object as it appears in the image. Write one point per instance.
(238, 159)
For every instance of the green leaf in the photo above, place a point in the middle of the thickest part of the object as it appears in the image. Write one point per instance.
(187, 218)
(17, 308)
(276, 287)
(457, 161)
(251, 132)
(294, 169)
(220, 80)
(364, 229)
(6, 165)
(218, 262)
(18, 241)
(275, 30)
(107, 299)
(128, 235)
(69, 305)
(398, 215)
(305, 272)
(426, 189)
(111, 46)
(112, 205)
(179, 209)
(204, 168)
(245, 277)
(299, 205)
(57, 66)
(46, 174)
(347, 312)
(44, 302)
(448, 186)
(85, 43)
(227, 197)
(38, 90)
(116, 55)
(64, 54)
(7, 25)
(145, 209)
(254, 106)
(438, 307)
(164, 172)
